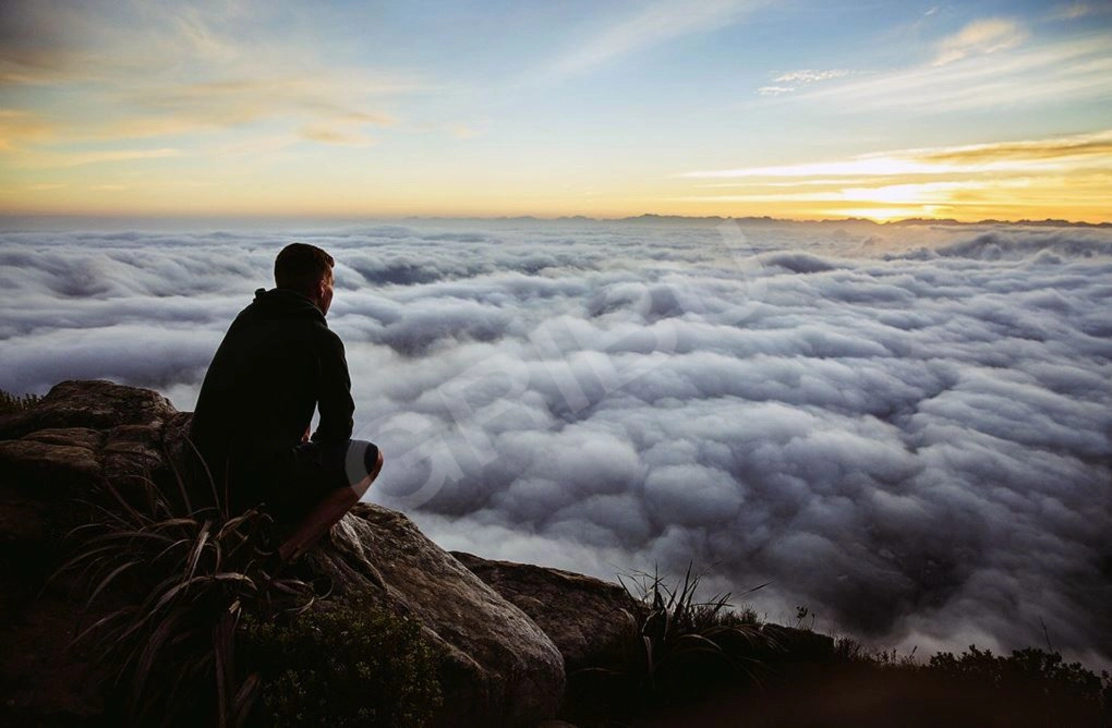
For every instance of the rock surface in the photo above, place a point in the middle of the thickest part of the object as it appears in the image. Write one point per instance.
(513, 673)
(587, 618)
(502, 668)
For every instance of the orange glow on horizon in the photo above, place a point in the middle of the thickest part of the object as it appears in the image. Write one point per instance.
(1061, 178)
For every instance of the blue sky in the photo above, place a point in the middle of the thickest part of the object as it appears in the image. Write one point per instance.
(489, 108)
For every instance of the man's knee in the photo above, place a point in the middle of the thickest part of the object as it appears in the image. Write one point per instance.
(363, 463)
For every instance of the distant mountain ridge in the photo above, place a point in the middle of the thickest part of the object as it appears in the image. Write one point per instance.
(650, 217)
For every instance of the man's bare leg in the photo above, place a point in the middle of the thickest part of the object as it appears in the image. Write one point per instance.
(326, 513)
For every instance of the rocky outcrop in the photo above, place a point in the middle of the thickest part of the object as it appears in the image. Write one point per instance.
(512, 673)
(94, 405)
(502, 669)
(588, 619)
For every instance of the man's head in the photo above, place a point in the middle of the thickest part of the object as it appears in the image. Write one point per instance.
(308, 270)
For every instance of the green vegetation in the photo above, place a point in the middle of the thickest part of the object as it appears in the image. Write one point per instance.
(12, 403)
(343, 665)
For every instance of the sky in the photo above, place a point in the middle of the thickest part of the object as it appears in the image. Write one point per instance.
(905, 429)
(800, 109)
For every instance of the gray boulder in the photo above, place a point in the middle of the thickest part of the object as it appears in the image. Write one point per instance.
(512, 673)
(588, 619)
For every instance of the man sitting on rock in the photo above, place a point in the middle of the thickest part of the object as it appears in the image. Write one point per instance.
(277, 364)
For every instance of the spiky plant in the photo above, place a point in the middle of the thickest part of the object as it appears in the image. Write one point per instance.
(684, 645)
(677, 648)
(170, 583)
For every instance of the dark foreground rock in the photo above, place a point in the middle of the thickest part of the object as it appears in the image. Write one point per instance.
(501, 668)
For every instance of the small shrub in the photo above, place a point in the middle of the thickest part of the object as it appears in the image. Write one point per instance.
(1031, 671)
(12, 403)
(1030, 687)
(343, 665)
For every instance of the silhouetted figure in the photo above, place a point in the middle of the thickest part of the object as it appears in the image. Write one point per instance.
(277, 364)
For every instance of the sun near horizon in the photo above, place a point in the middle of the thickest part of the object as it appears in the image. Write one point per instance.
(728, 108)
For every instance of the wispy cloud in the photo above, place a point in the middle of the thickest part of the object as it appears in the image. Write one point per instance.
(775, 90)
(18, 126)
(1055, 153)
(922, 193)
(798, 79)
(1059, 151)
(228, 103)
(658, 23)
(179, 70)
(46, 160)
(980, 37)
(1019, 76)
(332, 134)
(1073, 11)
(810, 76)
(931, 180)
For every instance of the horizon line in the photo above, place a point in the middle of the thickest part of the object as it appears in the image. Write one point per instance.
(643, 217)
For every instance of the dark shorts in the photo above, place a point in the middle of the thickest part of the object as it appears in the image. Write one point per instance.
(310, 472)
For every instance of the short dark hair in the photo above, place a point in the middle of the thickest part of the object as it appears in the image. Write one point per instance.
(302, 267)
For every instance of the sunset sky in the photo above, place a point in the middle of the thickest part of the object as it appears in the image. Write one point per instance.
(801, 109)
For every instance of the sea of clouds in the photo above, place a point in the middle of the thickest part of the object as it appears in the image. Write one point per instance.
(907, 430)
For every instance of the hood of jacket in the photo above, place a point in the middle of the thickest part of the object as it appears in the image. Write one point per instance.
(285, 302)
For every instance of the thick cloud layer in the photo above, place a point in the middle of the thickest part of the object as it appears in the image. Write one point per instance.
(905, 429)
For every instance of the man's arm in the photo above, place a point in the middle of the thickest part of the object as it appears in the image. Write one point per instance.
(335, 403)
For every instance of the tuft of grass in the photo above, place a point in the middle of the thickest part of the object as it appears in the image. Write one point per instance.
(169, 584)
(679, 648)
(13, 403)
(688, 645)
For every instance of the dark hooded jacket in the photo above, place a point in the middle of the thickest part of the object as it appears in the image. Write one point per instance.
(277, 363)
